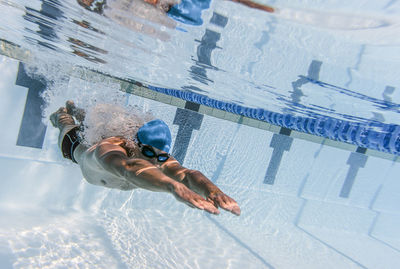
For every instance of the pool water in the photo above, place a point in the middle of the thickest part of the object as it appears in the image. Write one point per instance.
(307, 201)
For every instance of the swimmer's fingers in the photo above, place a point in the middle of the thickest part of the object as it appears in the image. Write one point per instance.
(192, 199)
(202, 204)
(225, 202)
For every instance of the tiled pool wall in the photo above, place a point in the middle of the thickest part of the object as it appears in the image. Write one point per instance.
(341, 203)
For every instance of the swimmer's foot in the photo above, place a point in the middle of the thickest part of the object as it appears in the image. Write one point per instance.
(61, 118)
(78, 113)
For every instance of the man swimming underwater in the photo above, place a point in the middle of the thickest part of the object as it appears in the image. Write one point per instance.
(140, 162)
(133, 14)
(185, 11)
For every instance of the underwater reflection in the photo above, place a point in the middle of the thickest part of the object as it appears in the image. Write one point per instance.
(46, 19)
(135, 15)
(79, 47)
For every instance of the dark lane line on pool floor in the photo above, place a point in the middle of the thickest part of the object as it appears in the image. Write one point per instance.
(32, 130)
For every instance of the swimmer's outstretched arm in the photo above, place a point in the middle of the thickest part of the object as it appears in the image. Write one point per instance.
(196, 181)
(145, 175)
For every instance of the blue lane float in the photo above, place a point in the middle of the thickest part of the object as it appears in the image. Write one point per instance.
(371, 135)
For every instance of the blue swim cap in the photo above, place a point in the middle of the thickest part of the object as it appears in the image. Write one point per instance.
(155, 133)
(189, 11)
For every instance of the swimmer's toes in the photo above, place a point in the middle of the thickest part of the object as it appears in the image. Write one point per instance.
(70, 105)
(78, 113)
(55, 117)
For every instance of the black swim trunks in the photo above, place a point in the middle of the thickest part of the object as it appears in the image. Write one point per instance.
(69, 143)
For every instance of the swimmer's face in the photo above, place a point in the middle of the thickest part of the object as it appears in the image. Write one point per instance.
(153, 155)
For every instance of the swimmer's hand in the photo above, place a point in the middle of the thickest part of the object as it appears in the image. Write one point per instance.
(192, 199)
(222, 200)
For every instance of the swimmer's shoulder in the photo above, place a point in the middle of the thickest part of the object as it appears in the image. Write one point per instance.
(171, 163)
(111, 145)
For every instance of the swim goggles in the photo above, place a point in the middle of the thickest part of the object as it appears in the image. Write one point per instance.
(149, 152)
